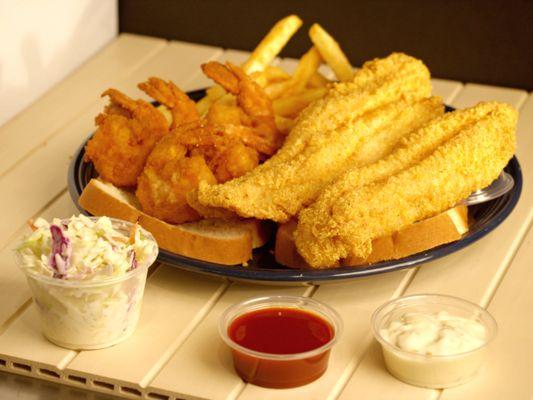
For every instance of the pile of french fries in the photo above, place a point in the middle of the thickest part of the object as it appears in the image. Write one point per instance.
(290, 94)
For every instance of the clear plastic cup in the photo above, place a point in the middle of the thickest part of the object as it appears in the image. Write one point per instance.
(85, 315)
(280, 370)
(433, 371)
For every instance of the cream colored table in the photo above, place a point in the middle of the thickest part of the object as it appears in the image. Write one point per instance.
(176, 353)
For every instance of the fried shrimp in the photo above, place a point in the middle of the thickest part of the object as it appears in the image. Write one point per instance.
(181, 160)
(170, 173)
(127, 132)
(435, 168)
(255, 116)
(226, 155)
(182, 108)
(229, 141)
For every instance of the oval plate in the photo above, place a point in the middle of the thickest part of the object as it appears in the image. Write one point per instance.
(264, 269)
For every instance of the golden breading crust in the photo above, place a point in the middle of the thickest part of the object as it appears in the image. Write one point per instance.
(325, 137)
(436, 168)
(127, 132)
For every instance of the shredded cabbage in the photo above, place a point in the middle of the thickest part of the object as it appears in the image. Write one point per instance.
(83, 249)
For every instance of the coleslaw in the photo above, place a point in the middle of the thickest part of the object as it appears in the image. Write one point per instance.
(87, 276)
(83, 248)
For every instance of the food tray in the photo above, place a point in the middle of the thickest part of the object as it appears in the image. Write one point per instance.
(264, 269)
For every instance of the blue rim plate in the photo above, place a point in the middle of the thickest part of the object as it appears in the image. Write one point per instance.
(264, 269)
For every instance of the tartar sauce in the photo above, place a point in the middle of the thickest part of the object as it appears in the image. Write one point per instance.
(438, 334)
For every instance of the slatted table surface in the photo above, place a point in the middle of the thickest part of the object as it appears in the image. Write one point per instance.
(175, 352)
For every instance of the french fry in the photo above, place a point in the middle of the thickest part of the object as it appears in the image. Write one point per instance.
(278, 81)
(166, 113)
(318, 80)
(212, 94)
(307, 66)
(272, 44)
(277, 89)
(331, 52)
(269, 75)
(215, 92)
(260, 78)
(275, 74)
(292, 105)
(202, 105)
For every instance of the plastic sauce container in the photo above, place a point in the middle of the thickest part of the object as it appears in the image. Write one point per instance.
(433, 370)
(91, 314)
(280, 341)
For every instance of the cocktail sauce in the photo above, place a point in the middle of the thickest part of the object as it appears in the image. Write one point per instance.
(279, 331)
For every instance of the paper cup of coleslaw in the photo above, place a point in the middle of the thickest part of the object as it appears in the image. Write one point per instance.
(87, 277)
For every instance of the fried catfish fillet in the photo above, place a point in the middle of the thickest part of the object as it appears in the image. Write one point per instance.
(325, 138)
(431, 171)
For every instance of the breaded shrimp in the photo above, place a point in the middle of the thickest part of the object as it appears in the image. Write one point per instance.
(127, 132)
(228, 143)
(170, 173)
(257, 113)
(182, 108)
(184, 158)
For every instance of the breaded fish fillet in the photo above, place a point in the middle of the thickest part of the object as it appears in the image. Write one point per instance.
(433, 170)
(411, 149)
(325, 138)
(397, 120)
(409, 116)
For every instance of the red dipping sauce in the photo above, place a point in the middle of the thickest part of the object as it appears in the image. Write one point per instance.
(280, 330)
(280, 346)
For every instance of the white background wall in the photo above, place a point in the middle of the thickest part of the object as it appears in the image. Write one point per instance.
(42, 41)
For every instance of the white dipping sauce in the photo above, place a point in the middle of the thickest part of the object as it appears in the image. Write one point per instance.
(439, 334)
(434, 350)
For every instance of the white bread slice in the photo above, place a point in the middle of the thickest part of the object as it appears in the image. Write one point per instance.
(261, 230)
(103, 198)
(223, 242)
(444, 228)
(209, 240)
(285, 251)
